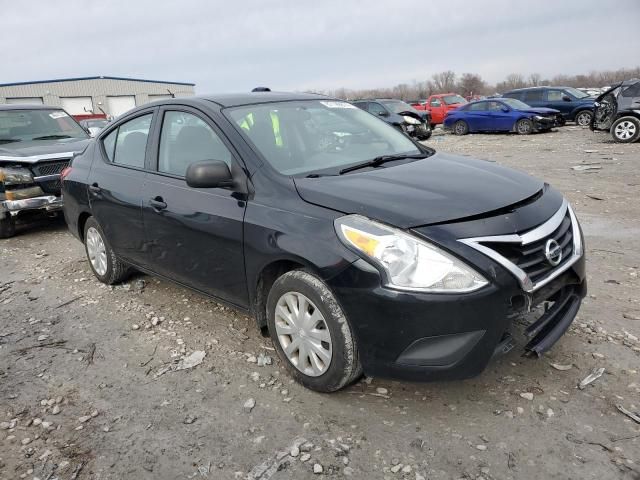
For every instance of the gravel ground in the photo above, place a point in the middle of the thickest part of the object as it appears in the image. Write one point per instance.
(100, 383)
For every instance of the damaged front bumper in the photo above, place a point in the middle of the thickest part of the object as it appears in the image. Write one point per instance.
(544, 123)
(20, 192)
(48, 203)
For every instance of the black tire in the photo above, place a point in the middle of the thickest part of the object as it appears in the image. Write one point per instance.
(116, 270)
(344, 366)
(584, 117)
(524, 126)
(460, 127)
(626, 130)
(7, 226)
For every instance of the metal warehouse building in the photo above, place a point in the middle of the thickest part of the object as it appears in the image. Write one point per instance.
(111, 96)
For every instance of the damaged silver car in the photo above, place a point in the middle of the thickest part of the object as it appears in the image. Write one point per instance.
(618, 111)
(36, 145)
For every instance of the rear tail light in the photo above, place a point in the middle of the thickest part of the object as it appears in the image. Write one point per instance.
(66, 171)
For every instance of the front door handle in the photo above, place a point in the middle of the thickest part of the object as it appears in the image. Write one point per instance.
(157, 204)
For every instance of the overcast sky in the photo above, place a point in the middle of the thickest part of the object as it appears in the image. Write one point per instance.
(225, 46)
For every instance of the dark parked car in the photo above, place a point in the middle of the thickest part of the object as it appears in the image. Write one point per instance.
(399, 114)
(357, 251)
(500, 115)
(618, 111)
(36, 144)
(575, 105)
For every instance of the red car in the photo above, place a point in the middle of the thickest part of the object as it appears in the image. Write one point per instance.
(438, 105)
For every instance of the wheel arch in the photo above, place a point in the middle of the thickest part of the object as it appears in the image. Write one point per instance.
(82, 221)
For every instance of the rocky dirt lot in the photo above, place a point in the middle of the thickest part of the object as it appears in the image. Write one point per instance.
(148, 380)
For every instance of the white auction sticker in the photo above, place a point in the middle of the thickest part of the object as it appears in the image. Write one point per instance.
(58, 114)
(334, 104)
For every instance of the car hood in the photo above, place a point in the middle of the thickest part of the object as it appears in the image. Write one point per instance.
(440, 188)
(540, 110)
(33, 151)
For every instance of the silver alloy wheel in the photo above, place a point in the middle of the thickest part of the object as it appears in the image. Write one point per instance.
(625, 130)
(524, 126)
(303, 334)
(460, 128)
(584, 119)
(96, 251)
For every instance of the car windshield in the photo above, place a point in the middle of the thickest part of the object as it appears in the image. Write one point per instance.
(301, 137)
(576, 93)
(453, 99)
(398, 106)
(513, 103)
(27, 125)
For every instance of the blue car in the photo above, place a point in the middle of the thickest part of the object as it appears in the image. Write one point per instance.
(575, 105)
(500, 115)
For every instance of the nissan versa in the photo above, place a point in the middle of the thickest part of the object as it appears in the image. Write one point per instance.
(354, 247)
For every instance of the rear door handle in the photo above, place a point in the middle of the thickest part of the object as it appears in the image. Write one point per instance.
(157, 204)
(94, 188)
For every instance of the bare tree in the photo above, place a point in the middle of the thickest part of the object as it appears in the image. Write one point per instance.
(471, 84)
(444, 81)
(534, 79)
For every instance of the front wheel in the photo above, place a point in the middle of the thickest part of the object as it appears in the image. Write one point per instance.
(461, 127)
(626, 130)
(583, 118)
(105, 265)
(311, 333)
(524, 126)
(7, 226)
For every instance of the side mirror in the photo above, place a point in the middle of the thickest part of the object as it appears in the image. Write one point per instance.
(209, 174)
(566, 98)
(383, 114)
(505, 109)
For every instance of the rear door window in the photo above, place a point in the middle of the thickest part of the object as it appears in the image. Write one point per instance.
(127, 145)
(533, 96)
(478, 107)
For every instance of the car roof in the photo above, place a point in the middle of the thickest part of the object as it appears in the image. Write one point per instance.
(26, 106)
(250, 98)
(524, 89)
(378, 100)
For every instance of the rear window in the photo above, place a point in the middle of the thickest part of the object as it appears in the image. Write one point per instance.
(532, 96)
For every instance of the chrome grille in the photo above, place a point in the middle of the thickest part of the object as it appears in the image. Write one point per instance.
(531, 258)
(524, 254)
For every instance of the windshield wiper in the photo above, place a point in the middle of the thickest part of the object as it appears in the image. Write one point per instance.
(374, 162)
(10, 140)
(318, 175)
(51, 137)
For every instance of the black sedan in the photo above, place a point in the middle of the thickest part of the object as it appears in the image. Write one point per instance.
(399, 114)
(356, 248)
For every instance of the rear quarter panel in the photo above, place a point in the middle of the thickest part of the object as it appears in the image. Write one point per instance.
(74, 189)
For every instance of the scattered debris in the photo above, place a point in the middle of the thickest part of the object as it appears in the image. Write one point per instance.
(382, 391)
(593, 376)
(561, 367)
(586, 168)
(317, 468)
(189, 419)
(249, 405)
(595, 197)
(527, 395)
(633, 416)
(68, 302)
(263, 360)
(185, 363)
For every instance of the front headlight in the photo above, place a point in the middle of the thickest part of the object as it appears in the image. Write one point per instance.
(538, 117)
(408, 262)
(15, 176)
(411, 120)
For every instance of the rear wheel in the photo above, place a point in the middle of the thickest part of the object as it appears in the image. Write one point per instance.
(583, 118)
(524, 126)
(626, 130)
(7, 226)
(460, 127)
(311, 333)
(103, 261)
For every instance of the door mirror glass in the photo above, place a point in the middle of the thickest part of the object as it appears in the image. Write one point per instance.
(505, 109)
(566, 98)
(209, 174)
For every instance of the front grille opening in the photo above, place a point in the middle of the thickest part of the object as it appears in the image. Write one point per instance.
(52, 187)
(531, 258)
